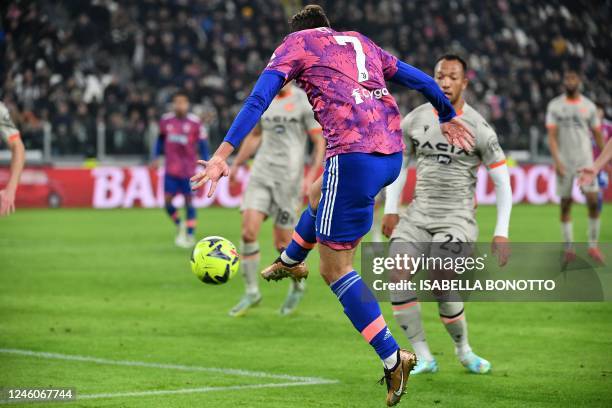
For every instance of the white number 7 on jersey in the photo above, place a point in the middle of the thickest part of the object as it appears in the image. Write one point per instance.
(362, 72)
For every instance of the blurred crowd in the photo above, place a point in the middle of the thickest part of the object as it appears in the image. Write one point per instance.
(83, 68)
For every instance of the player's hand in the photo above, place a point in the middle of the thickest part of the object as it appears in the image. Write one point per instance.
(389, 222)
(560, 169)
(458, 134)
(233, 172)
(306, 184)
(500, 246)
(587, 175)
(214, 169)
(7, 202)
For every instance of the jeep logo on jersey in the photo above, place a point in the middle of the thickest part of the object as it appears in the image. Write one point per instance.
(176, 138)
(360, 94)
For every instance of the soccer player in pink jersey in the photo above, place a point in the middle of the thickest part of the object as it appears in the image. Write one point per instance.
(603, 177)
(344, 74)
(181, 140)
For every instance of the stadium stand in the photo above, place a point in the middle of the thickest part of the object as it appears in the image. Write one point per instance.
(98, 74)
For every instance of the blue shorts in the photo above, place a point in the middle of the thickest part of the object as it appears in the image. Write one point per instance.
(351, 182)
(176, 185)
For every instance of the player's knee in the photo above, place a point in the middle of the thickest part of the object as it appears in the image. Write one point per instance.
(332, 272)
(398, 275)
(593, 207)
(249, 234)
(450, 309)
(566, 206)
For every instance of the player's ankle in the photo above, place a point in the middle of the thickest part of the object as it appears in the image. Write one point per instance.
(287, 260)
(392, 361)
(462, 350)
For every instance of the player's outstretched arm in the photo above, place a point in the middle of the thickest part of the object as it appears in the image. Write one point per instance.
(455, 131)
(503, 197)
(392, 201)
(266, 88)
(7, 195)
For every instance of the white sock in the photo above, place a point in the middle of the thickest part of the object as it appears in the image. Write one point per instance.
(299, 286)
(593, 233)
(286, 259)
(453, 318)
(409, 319)
(567, 230)
(421, 349)
(250, 266)
(391, 361)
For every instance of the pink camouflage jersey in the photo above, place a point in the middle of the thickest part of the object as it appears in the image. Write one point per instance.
(343, 74)
(181, 137)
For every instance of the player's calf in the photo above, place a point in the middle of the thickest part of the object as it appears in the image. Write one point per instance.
(303, 240)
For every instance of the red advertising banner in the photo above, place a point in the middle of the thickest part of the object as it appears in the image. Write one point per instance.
(139, 186)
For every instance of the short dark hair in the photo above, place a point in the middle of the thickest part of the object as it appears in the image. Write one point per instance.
(453, 57)
(311, 16)
(180, 93)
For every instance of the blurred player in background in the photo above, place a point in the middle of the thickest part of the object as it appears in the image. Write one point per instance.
(603, 176)
(11, 136)
(181, 140)
(446, 177)
(343, 74)
(276, 184)
(570, 119)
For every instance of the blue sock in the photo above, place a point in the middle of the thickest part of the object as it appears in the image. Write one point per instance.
(304, 237)
(173, 213)
(363, 311)
(599, 201)
(191, 219)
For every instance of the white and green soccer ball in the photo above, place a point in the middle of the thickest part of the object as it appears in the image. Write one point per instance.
(214, 260)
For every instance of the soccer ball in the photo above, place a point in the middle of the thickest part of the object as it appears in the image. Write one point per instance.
(214, 260)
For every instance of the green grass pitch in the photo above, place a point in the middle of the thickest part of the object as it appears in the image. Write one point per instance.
(111, 285)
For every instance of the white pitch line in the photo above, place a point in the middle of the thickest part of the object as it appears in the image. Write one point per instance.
(228, 371)
(201, 389)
